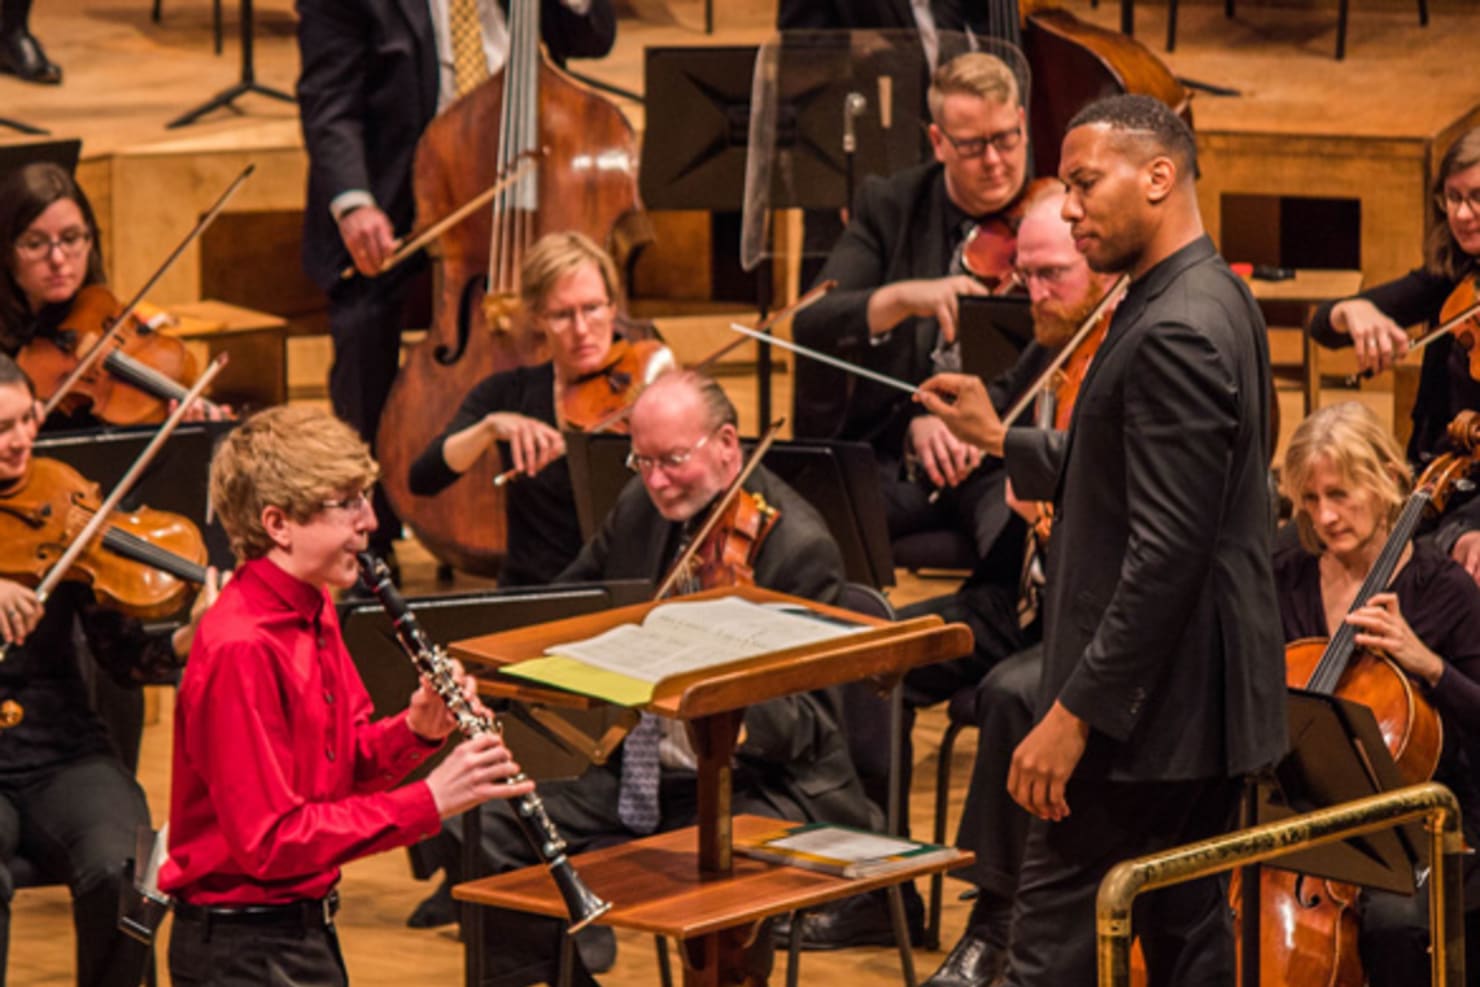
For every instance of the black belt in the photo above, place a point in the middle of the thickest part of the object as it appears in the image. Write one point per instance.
(309, 913)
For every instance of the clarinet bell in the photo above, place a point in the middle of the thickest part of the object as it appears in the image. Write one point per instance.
(580, 901)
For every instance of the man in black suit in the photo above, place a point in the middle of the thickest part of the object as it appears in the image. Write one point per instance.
(793, 760)
(894, 310)
(374, 73)
(1163, 676)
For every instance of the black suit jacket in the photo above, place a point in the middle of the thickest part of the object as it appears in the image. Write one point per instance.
(1162, 622)
(368, 88)
(793, 746)
(900, 229)
(794, 15)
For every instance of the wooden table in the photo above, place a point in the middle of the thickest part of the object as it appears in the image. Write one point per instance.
(257, 374)
(661, 892)
(713, 704)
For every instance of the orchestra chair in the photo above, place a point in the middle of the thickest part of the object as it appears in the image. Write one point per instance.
(961, 712)
(1341, 18)
(27, 873)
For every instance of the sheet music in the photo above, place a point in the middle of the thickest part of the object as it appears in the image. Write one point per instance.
(676, 638)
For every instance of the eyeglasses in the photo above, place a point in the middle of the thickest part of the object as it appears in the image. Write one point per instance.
(669, 460)
(974, 147)
(1048, 275)
(352, 504)
(35, 246)
(1450, 200)
(564, 318)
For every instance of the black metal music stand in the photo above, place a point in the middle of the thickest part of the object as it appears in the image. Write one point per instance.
(24, 128)
(712, 110)
(1337, 754)
(248, 83)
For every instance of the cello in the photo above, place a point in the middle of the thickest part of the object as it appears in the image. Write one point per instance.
(585, 180)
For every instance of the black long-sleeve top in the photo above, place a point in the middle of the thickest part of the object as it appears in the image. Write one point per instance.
(544, 532)
(44, 676)
(1442, 605)
(1445, 386)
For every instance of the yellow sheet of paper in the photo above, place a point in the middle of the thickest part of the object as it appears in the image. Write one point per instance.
(576, 676)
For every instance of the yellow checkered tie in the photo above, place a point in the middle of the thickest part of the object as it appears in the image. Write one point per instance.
(469, 64)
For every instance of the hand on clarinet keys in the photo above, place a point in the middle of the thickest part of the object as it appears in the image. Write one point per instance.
(478, 769)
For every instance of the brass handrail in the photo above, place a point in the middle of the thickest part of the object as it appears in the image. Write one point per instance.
(1430, 801)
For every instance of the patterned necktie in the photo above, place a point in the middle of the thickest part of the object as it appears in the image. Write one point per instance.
(637, 800)
(469, 63)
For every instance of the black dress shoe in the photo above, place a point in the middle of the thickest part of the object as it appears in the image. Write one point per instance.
(435, 910)
(973, 962)
(22, 56)
(862, 920)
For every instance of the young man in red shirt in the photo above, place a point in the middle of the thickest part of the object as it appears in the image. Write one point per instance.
(280, 777)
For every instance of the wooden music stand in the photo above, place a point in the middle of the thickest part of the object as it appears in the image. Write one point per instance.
(668, 899)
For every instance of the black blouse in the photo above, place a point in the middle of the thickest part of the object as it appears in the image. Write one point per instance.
(1442, 604)
(544, 532)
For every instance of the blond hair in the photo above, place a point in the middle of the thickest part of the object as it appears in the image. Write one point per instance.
(1350, 439)
(292, 457)
(973, 74)
(554, 256)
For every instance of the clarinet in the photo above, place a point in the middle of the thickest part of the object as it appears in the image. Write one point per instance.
(529, 811)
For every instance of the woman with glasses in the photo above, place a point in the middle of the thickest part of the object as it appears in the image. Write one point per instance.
(569, 290)
(53, 252)
(1372, 323)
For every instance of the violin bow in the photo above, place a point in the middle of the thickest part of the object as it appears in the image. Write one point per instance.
(98, 349)
(104, 514)
(1111, 297)
(1465, 315)
(681, 564)
(409, 247)
(764, 326)
(828, 359)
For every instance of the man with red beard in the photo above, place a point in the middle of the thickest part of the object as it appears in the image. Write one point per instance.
(1063, 291)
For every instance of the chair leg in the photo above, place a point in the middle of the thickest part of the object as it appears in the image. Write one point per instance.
(794, 948)
(1228, 9)
(938, 834)
(216, 24)
(1423, 13)
(902, 935)
(1341, 30)
(1171, 25)
(156, 11)
(665, 972)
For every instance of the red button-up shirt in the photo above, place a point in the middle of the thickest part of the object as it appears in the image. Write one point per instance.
(279, 775)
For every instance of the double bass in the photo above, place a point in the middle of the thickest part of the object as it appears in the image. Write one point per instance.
(585, 180)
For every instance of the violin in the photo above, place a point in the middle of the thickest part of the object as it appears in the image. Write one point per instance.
(131, 385)
(989, 250)
(727, 556)
(599, 401)
(145, 563)
(1459, 317)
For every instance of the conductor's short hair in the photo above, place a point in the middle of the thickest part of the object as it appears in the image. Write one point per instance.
(1147, 121)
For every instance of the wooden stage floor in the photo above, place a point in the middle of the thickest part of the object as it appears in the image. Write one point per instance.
(127, 76)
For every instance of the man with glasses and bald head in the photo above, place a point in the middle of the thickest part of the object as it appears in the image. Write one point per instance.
(792, 761)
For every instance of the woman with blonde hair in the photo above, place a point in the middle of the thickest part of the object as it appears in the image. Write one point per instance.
(1348, 481)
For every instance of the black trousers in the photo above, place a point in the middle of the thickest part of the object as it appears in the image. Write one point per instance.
(525, 949)
(975, 507)
(79, 822)
(1186, 930)
(204, 953)
(365, 322)
(993, 826)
